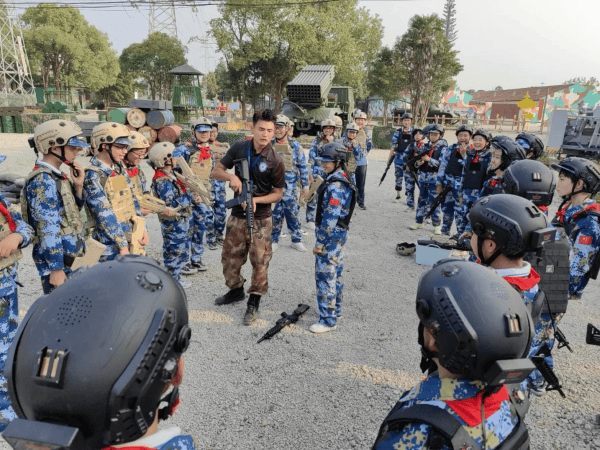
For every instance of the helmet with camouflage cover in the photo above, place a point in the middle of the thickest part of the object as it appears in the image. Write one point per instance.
(201, 124)
(339, 122)
(358, 114)
(282, 120)
(160, 153)
(290, 122)
(137, 140)
(352, 127)
(329, 122)
(57, 133)
(109, 133)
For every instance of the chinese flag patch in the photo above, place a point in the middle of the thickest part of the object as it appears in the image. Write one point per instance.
(336, 202)
(585, 240)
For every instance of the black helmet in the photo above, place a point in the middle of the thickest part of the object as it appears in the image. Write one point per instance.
(427, 129)
(511, 151)
(436, 128)
(415, 131)
(581, 169)
(466, 128)
(530, 179)
(483, 132)
(515, 224)
(407, 115)
(476, 316)
(333, 151)
(531, 143)
(113, 335)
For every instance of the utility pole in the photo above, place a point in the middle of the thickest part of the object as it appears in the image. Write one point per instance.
(162, 18)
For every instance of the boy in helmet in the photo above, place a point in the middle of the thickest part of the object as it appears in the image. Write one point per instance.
(579, 214)
(400, 141)
(295, 171)
(335, 205)
(325, 137)
(505, 151)
(465, 401)
(410, 176)
(217, 191)
(114, 208)
(175, 229)
(138, 150)
(53, 203)
(361, 144)
(15, 234)
(533, 145)
(119, 359)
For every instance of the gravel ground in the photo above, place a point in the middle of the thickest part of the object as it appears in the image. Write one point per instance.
(332, 391)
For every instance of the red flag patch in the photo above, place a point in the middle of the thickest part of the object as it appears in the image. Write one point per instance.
(585, 240)
(336, 202)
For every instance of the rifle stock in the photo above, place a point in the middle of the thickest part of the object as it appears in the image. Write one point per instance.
(312, 191)
(439, 200)
(137, 233)
(156, 205)
(246, 195)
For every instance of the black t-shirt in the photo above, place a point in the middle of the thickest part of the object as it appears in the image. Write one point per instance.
(267, 173)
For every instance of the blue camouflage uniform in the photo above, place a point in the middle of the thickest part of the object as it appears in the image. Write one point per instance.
(165, 439)
(360, 154)
(10, 307)
(412, 150)
(336, 202)
(288, 205)
(175, 230)
(492, 186)
(58, 241)
(219, 210)
(401, 139)
(427, 179)
(475, 169)
(436, 391)
(450, 172)
(315, 170)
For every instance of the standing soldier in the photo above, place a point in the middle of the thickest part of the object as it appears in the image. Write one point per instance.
(410, 179)
(295, 170)
(217, 191)
(52, 203)
(138, 150)
(326, 136)
(109, 192)
(533, 145)
(15, 234)
(362, 145)
(267, 174)
(505, 151)
(400, 141)
(450, 173)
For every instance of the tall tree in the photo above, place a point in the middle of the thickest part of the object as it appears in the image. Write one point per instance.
(449, 17)
(151, 60)
(428, 61)
(385, 78)
(64, 47)
(589, 83)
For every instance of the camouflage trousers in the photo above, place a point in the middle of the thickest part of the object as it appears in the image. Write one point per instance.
(311, 209)
(469, 197)
(451, 205)
(202, 222)
(9, 314)
(238, 244)
(426, 199)
(399, 170)
(219, 211)
(287, 207)
(176, 244)
(328, 277)
(409, 183)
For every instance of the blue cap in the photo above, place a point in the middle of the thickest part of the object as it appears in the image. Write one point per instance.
(524, 143)
(2, 158)
(179, 150)
(202, 127)
(76, 142)
(122, 140)
(324, 159)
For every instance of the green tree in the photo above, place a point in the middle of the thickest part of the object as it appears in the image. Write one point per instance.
(210, 85)
(62, 45)
(429, 63)
(120, 92)
(151, 60)
(588, 83)
(385, 78)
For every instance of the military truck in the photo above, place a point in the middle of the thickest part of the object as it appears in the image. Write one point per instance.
(575, 134)
(447, 113)
(312, 98)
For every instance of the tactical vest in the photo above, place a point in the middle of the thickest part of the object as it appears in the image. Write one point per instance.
(475, 174)
(447, 427)
(351, 163)
(342, 223)
(437, 153)
(454, 166)
(361, 138)
(403, 141)
(183, 212)
(136, 180)
(201, 168)
(4, 232)
(70, 223)
(286, 153)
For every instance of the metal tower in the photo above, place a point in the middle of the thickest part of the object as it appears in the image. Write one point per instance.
(15, 76)
(162, 18)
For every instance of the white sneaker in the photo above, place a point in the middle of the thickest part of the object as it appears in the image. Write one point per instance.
(321, 328)
(304, 232)
(299, 246)
(274, 246)
(437, 230)
(310, 225)
(417, 226)
(283, 235)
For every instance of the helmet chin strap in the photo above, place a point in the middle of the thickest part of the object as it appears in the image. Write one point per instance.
(426, 355)
(64, 160)
(491, 259)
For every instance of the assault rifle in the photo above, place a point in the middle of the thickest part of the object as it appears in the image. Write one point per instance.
(192, 182)
(439, 200)
(156, 205)
(312, 191)
(246, 195)
(285, 320)
(389, 163)
(548, 374)
(410, 165)
(593, 335)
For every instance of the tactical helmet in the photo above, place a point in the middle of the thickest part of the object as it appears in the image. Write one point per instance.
(137, 140)
(531, 143)
(352, 127)
(201, 124)
(407, 115)
(160, 153)
(281, 120)
(358, 114)
(328, 123)
(333, 151)
(426, 129)
(451, 300)
(89, 358)
(57, 133)
(530, 179)
(515, 224)
(466, 128)
(484, 133)
(415, 131)
(581, 169)
(109, 133)
(339, 123)
(436, 128)
(511, 151)
(290, 122)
